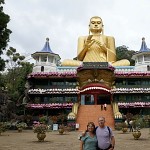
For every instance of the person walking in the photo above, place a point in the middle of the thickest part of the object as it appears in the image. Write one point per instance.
(131, 125)
(89, 140)
(105, 136)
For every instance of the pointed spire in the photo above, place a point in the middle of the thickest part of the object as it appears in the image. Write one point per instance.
(46, 47)
(144, 46)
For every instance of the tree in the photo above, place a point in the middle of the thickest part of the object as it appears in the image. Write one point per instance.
(18, 70)
(13, 83)
(4, 33)
(14, 59)
(123, 53)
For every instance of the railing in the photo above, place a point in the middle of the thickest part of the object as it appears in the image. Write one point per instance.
(51, 105)
(131, 90)
(124, 68)
(55, 87)
(133, 104)
(132, 86)
(64, 69)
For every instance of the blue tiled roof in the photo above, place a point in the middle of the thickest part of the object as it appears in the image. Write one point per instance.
(46, 47)
(144, 46)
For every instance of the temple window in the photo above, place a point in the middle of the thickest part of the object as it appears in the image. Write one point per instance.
(148, 68)
(140, 59)
(87, 99)
(37, 59)
(44, 59)
(146, 57)
(50, 59)
(42, 68)
(103, 99)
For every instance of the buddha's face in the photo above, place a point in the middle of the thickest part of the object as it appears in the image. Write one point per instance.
(96, 24)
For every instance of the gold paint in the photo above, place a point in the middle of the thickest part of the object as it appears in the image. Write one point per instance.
(103, 77)
(96, 47)
(74, 112)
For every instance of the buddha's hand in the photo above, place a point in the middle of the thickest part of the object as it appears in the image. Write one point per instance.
(89, 42)
(102, 45)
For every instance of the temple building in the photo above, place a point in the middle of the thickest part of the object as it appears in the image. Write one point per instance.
(93, 89)
(132, 87)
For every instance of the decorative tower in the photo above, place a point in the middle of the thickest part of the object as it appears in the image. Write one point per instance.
(46, 60)
(142, 58)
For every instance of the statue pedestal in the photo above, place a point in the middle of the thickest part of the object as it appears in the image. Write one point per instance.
(95, 72)
(95, 82)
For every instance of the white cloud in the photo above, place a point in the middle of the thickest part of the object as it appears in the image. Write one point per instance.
(63, 21)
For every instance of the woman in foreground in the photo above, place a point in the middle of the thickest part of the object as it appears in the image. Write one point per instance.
(89, 141)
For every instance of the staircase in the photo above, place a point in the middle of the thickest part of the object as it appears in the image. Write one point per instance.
(91, 113)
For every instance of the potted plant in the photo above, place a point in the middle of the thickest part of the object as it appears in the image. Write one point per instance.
(71, 125)
(40, 129)
(136, 133)
(20, 126)
(2, 127)
(137, 124)
(61, 129)
(124, 127)
(118, 126)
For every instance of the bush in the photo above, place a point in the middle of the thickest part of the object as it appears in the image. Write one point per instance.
(22, 125)
(43, 119)
(120, 125)
(3, 127)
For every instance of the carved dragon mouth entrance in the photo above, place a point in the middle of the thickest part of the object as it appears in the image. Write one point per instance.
(99, 73)
(95, 80)
(95, 94)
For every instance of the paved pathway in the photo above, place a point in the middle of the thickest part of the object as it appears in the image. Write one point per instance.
(12, 140)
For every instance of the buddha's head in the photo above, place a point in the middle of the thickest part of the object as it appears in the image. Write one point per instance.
(96, 25)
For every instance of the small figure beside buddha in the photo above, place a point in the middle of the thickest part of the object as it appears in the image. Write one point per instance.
(96, 47)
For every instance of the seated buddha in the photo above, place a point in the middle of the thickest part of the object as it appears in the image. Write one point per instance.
(96, 47)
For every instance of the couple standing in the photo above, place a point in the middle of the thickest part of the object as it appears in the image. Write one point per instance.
(98, 138)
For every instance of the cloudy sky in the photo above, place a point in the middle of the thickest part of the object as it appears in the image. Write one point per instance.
(63, 21)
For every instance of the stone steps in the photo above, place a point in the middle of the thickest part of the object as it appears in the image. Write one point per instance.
(90, 113)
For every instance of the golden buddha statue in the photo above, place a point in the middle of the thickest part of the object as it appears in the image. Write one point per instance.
(96, 47)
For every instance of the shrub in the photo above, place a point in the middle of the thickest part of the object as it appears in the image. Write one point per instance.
(40, 128)
(3, 127)
(22, 125)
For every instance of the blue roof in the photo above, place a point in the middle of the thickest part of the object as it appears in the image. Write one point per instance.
(46, 47)
(144, 46)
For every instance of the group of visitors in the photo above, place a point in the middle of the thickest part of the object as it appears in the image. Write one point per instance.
(97, 138)
(129, 123)
(103, 106)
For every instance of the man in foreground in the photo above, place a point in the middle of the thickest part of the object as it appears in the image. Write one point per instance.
(105, 136)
